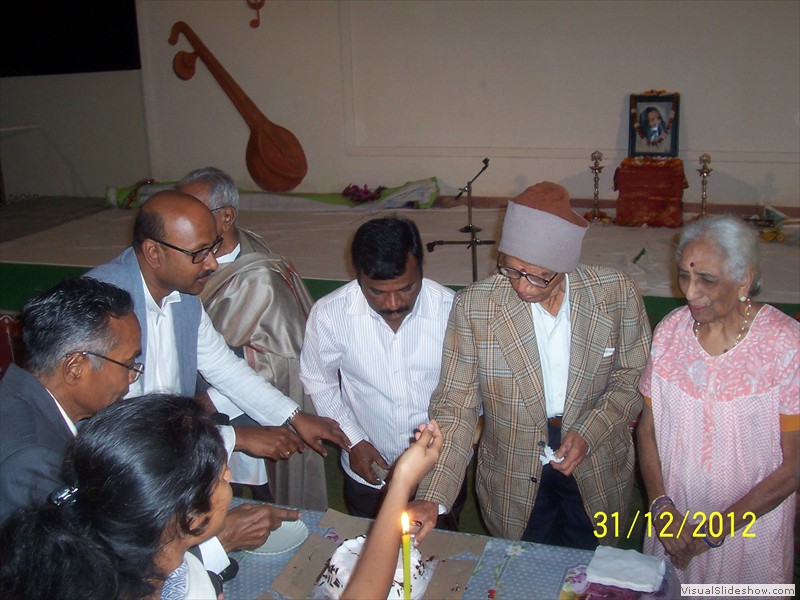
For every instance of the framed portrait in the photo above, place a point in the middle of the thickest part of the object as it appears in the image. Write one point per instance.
(653, 129)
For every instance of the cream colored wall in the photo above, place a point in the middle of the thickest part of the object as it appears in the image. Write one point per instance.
(72, 135)
(384, 92)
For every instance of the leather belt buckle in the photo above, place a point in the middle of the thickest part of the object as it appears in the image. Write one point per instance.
(555, 421)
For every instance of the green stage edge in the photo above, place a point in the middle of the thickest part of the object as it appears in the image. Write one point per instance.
(21, 281)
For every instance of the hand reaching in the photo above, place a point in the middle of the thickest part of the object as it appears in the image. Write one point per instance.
(248, 525)
(313, 428)
(362, 455)
(412, 466)
(420, 457)
(276, 443)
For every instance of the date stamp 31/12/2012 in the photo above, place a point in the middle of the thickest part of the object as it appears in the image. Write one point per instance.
(662, 524)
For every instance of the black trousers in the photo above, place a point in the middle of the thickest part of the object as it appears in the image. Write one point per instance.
(365, 501)
(558, 517)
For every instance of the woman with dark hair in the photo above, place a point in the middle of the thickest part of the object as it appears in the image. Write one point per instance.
(147, 479)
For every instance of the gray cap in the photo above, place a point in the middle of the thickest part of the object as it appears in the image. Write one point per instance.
(541, 229)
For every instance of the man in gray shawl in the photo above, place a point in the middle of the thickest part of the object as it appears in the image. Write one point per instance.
(259, 303)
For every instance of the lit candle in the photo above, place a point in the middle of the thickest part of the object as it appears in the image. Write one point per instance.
(406, 557)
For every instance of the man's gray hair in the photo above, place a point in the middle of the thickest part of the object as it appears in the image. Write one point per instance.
(73, 316)
(737, 241)
(223, 189)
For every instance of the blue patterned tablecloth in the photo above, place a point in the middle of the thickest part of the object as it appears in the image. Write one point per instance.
(506, 570)
(513, 570)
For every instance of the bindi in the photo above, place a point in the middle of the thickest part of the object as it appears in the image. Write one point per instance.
(691, 264)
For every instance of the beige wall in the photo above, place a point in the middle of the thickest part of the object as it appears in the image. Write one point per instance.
(72, 135)
(385, 92)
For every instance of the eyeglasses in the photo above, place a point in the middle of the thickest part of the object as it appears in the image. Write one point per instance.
(198, 256)
(534, 280)
(136, 369)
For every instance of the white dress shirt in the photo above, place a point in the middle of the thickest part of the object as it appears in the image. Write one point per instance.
(67, 420)
(221, 368)
(230, 256)
(387, 378)
(246, 469)
(248, 392)
(552, 340)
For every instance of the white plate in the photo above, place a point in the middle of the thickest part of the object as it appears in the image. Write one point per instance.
(286, 537)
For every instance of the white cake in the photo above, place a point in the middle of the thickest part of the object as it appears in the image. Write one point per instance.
(341, 565)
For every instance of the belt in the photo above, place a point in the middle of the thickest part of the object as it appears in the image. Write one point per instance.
(554, 421)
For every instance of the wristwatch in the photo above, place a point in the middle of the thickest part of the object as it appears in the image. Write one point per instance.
(291, 416)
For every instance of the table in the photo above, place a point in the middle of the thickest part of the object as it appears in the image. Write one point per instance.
(512, 569)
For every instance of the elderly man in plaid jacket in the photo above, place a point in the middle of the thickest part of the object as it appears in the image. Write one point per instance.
(553, 351)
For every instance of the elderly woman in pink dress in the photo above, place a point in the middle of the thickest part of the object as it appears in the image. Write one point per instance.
(719, 437)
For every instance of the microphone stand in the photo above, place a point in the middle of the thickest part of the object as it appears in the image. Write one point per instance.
(474, 242)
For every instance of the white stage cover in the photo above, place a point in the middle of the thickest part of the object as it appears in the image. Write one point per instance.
(317, 242)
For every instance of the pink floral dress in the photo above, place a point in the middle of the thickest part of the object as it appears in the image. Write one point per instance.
(717, 427)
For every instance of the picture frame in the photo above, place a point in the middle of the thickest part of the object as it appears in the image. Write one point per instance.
(653, 128)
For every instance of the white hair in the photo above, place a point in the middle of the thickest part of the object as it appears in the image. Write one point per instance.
(223, 189)
(736, 240)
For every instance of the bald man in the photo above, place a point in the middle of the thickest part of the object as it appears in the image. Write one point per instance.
(173, 254)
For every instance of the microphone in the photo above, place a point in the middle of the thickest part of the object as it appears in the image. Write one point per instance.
(430, 246)
(462, 190)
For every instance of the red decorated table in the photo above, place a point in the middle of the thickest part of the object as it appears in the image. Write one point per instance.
(650, 192)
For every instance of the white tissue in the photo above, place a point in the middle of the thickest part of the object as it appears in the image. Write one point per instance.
(626, 569)
(549, 454)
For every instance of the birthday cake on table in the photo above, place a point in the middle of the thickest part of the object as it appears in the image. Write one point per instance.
(341, 565)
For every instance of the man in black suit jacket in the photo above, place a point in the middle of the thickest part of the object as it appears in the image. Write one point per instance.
(81, 340)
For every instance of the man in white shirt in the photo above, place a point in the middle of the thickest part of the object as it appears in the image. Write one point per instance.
(372, 353)
(173, 254)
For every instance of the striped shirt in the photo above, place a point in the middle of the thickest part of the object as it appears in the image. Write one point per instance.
(387, 378)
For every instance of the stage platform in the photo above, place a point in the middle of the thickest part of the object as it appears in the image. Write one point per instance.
(317, 243)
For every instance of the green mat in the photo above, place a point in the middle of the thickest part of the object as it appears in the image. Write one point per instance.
(128, 197)
(21, 281)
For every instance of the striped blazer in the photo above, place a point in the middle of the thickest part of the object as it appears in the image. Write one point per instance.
(490, 358)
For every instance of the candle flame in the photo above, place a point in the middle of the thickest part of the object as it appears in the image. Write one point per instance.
(404, 521)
